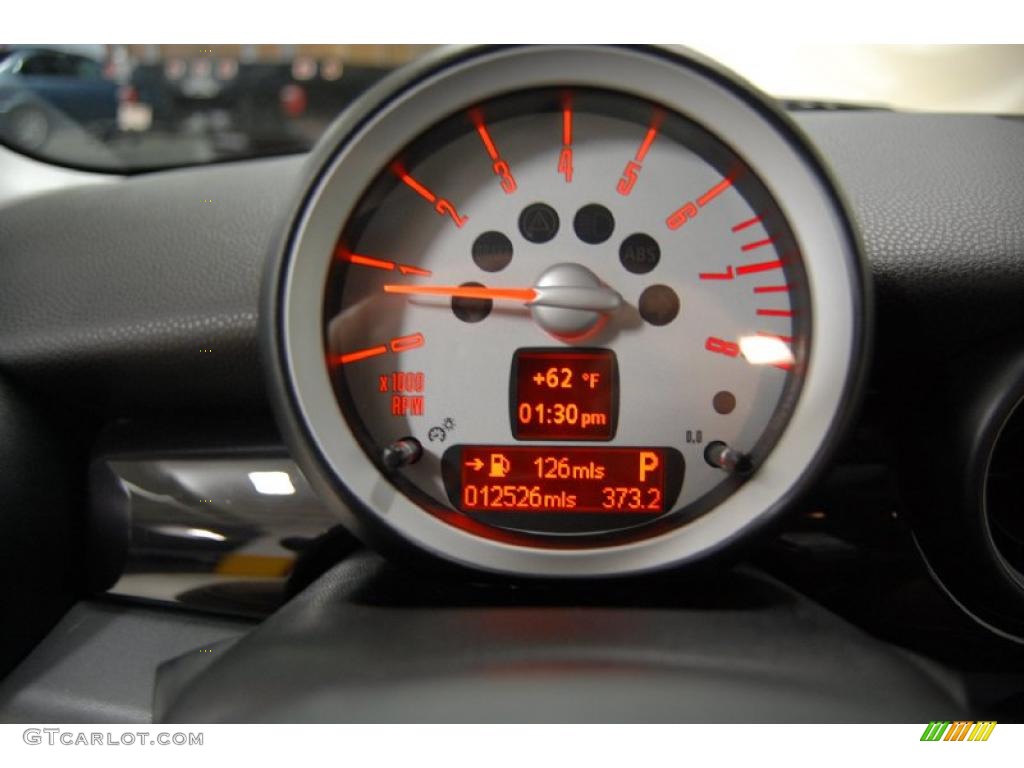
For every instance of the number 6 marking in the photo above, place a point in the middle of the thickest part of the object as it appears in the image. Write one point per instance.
(678, 218)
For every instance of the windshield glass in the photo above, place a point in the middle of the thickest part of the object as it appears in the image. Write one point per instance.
(128, 108)
(139, 107)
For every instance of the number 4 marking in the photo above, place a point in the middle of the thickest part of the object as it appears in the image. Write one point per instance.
(565, 163)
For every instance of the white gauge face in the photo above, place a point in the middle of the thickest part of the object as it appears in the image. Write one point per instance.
(578, 313)
(565, 311)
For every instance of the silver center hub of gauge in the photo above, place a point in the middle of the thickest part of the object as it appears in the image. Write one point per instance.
(571, 301)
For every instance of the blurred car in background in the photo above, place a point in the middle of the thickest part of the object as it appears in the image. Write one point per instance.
(133, 108)
(243, 108)
(44, 90)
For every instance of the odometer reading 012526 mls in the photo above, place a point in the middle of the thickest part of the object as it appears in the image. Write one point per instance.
(560, 267)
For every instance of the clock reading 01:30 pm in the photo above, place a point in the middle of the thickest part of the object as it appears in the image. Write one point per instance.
(564, 395)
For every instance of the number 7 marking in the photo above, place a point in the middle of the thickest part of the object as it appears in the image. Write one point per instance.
(727, 275)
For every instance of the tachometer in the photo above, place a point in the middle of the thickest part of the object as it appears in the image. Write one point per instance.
(566, 311)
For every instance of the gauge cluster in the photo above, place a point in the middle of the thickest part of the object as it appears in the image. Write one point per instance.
(565, 311)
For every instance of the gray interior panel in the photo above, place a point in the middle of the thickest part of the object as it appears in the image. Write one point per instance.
(116, 289)
(368, 644)
(98, 665)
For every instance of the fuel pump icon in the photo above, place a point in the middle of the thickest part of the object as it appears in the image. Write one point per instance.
(499, 465)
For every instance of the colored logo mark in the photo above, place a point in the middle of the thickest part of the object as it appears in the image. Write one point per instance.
(958, 731)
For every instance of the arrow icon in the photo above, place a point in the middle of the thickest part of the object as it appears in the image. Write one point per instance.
(476, 464)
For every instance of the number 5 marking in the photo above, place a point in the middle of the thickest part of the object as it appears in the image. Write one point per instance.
(629, 177)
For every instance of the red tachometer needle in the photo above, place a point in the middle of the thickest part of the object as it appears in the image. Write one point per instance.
(590, 298)
(523, 295)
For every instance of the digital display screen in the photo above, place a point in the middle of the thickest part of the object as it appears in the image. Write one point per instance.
(565, 479)
(564, 395)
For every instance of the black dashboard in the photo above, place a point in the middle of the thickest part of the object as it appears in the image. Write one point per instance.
(133, 319)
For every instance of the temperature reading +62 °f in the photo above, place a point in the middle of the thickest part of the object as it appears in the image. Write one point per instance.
(562, 378)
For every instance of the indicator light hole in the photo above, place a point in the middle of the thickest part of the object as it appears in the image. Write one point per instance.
(472, 310)
(538, 223)
(492, 251)
(593, 224)
(724, 402)
(658, 305)
(639, 253)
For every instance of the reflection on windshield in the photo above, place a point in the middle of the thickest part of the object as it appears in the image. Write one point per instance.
(132, 107)
(138, 107)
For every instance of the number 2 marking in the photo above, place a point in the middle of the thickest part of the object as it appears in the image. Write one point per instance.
(445, 208)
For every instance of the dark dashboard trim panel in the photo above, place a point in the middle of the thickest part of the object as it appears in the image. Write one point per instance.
(759, 653)
(136, 296)
(109, 293)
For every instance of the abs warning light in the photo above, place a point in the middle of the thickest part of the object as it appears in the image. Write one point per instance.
(564, 395)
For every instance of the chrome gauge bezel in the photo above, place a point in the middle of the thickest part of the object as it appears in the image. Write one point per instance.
(388, 119)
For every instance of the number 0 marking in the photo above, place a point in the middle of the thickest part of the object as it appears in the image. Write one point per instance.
(396, 345)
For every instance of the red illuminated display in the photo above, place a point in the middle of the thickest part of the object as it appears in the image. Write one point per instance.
(559, 395)
(528, 479)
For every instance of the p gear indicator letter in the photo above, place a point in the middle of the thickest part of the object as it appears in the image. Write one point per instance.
(561, 394)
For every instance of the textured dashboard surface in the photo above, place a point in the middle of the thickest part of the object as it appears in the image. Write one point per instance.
(110, 294)
(99, 663)
(117, 290)
(367, 644)
(940, 204)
